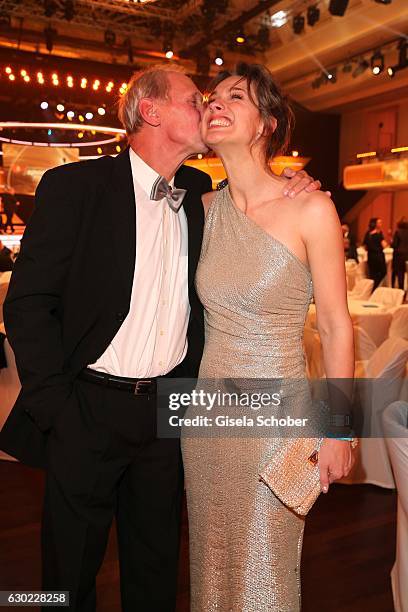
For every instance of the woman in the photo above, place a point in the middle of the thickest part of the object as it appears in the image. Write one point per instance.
(400, 255)
(258, 260)
(374, 243)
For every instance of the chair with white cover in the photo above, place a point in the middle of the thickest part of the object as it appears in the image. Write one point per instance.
(385, 374)
(387, 296)
(9, 386)
(362, 289)
(364, 347)
(313, 353)
(399, 323)
(395, 425)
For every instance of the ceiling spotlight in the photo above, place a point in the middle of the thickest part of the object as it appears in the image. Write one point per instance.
(240, 37)
(8, 70)
(80, 134)
(101, 111)
(118, 148)
(313, 15)
(60, 108)
(99, 150)
(81, 118)
(168, 50)
(88, 116)
(219, 60)
(279, 19)
(361, 67)
(49, 34)
(69, 10)
(12, 77)
(391, 71)
(331, 75)
(338, 7)
(84, 82)
(44, 105)
(377, 62)
(298, 24)
(50, 6)
(70, 114)
(110, 37)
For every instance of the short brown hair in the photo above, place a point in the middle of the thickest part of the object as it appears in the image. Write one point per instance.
(150, 83)
(271, 102)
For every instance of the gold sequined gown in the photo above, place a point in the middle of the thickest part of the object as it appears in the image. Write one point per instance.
(245, 545)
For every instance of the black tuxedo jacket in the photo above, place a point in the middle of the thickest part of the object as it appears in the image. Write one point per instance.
(71, 287)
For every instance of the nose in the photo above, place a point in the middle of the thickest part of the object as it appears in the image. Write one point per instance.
(216, 105)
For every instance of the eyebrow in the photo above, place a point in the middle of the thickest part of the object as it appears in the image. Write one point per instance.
(231, 89)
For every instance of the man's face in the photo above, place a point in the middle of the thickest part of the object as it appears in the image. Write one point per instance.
(181, 115)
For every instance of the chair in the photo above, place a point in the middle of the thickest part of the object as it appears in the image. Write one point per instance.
(395, 425)
(362, 289)
(387, 297)
(364, 347)
(380, 384)
(399, 323)
(313, 353)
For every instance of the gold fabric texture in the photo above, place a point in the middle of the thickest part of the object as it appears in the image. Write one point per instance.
(245, 545)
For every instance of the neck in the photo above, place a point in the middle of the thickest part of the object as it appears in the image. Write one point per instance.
(241, 184)
(164, 157)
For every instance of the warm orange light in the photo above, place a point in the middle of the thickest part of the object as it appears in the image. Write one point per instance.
(295, 153)
(80, 134)
(40, 75)
(399, 149)
(12, 77)
(23, 73)
(27, 78)
(99, 150)
(368, 154)
(118, 148)
(54, 76)
(8, 70)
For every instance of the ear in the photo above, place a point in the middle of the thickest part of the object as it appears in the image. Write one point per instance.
(149, 111)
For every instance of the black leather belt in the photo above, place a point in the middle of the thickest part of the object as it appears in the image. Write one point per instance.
(138, 386)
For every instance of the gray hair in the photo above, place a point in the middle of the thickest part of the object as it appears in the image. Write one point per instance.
(150, 83)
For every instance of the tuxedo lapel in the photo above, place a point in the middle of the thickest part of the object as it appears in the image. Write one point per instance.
(123, 219)
(191, 205)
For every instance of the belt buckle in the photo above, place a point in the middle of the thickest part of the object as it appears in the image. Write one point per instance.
(142, 384)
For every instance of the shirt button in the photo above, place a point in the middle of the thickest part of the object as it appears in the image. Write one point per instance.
(162, 333)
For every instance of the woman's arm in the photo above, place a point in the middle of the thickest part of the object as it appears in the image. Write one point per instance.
(322, 235)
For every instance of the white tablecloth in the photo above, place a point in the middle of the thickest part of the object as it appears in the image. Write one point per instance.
(373, 318)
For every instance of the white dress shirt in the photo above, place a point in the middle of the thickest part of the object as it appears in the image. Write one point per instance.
(153, 338)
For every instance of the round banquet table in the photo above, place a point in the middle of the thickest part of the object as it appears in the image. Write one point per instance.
(374, 318)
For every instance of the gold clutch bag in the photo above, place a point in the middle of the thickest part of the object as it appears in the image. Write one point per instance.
(293, 473)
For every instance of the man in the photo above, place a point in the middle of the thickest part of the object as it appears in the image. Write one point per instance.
(90, 342)
(9, 206)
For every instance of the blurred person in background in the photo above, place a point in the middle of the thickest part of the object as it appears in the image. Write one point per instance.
(375, 244)
(400, 255)
(6, 258)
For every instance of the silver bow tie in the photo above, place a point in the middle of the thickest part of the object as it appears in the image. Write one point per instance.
(161, 189)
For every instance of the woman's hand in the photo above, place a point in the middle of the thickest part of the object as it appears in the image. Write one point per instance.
(335, 461)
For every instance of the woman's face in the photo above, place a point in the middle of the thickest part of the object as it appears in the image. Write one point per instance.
(379, 224)
(230, 116)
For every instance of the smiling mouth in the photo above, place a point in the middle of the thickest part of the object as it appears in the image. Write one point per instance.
(219, 123)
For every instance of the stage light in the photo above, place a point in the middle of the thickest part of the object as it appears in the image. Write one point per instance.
(219, 60)
(240, 37)
(84, 83)
(295, 153)
(44, 105)
(313, 15)
(80, 134)
(23, 73)
(391, 72)
(298, 24)
(338, 7)
(70, 114)
(331, 75)
(49, 132)
(12, 77)
(81, 118)
(200, 156)
(377, 62)
(361, 67)
(101, 111)
(168, 51)
(27, 78)
(40, 76)
(279, 19)
(8, 70)
(60, 108)
(89, 116)
(118, 148)
(99, 150)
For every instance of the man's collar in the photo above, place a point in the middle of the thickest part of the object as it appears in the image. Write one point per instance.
(143, 173)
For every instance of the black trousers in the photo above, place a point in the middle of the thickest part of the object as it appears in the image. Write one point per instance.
(104, 460)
